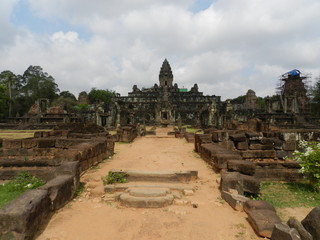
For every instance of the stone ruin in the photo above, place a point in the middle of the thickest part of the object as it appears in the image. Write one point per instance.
(165, 104)
(57, 157)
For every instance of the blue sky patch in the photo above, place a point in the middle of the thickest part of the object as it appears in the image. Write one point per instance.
(23, 16)
(200, 5)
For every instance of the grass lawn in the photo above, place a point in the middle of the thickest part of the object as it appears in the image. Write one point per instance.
(18, 134)
(282, 195)
(14, 188)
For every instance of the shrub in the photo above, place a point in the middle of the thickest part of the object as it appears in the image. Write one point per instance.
(309, 159)
(115, 177)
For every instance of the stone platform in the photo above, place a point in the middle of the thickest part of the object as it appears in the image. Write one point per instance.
(151, 189)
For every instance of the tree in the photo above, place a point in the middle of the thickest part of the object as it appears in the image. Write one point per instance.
(39, 84)
(99, 96)
(315, 102)
(67, 94)
(13, 84)
(36, 84)
(3, 99)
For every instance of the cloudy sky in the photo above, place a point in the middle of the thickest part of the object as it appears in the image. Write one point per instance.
(226, 46)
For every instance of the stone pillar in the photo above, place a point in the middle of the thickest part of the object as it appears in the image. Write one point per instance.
(285, 105)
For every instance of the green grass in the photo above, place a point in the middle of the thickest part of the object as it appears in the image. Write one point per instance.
(14, 188)
(295, 194)
(115, 177)
(18, 134)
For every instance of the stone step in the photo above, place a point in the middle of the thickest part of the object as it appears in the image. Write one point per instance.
(159, 176)
(120, 187)
(150, 201)
(148, 192)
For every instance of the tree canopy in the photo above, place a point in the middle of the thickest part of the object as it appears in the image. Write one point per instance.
(21, 91)
(99, 95)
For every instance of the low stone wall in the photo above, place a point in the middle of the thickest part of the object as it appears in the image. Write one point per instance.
(51, 152)
(270, 151)
(58, 158)
(22, 217)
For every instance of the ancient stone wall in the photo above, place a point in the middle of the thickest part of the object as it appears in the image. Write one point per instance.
(56, 157)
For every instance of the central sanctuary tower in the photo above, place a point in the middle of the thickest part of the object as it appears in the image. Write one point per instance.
(166, 104)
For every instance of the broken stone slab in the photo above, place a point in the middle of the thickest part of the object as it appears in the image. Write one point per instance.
(242, 166)
(312, 223)
(282, 231)
(257, 205)
(232, 180)
(23, 216)
(250, 184)
(236, 201)
(220, 160)
(263, 221)
(145, 202)
(304, 234)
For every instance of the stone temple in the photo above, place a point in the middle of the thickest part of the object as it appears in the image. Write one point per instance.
(166, 104)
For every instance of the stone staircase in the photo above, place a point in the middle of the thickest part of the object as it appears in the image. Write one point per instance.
(151, 189)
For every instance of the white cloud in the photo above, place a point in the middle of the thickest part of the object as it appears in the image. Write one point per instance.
(228, 48)
(64, 37)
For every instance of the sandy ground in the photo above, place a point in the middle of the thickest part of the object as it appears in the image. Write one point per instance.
(90, 216)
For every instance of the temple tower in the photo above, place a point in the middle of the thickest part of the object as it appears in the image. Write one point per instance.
(165, 75)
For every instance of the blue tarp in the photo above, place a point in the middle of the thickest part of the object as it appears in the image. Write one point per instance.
(294, 72)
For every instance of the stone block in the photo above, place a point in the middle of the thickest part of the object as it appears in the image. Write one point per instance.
(231, 180)
(257, 204)
(255, 154)
(266, 141)
(242, 166)
(312, 223)
(263, 221)
(280, 154)
(236, 201)
(70, 168)
(268, 134)
(250, 184)
(11, 143)
(253, 135)
(260, 147)
(43, 152)
(304, 234)
(268, 154)
(282, 231)
(64, 143)
(277, 143)
(290, 145)
(61, 190)
(26, 214)
(46, 143)
(242, 145)
(29, 143)
(288, 136)
(240, 137)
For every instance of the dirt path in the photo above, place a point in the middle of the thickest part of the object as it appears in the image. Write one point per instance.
(91, 217)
